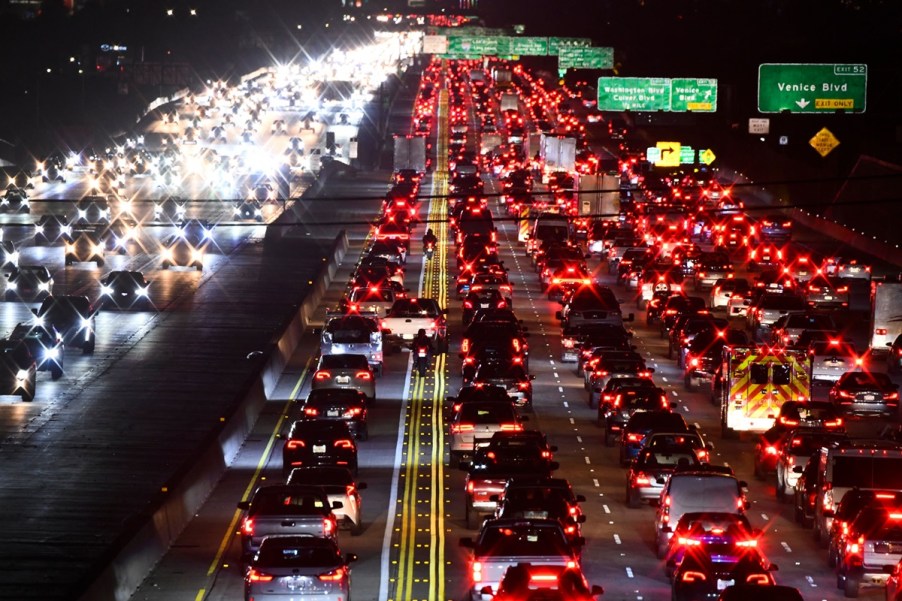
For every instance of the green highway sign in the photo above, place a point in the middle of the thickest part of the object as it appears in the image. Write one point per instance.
(526, 46)
(649, 94)
(473, 45)
(687, 155)
(812, 88)
(555, 44)
(585, 57)
(696, 95)
(633, 94)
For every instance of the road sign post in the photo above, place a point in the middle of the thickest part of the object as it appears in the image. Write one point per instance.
(812, 88)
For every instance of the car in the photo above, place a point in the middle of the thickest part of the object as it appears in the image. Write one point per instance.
(762, 314)
(702, 576)
(124, 290)
(865, 394)
(249, 209)
(17, 370)
(9, 256)
(353, 333)
(482, 299)
(696, 489)
(513, 377)
(703, 355)
(774, 228)
(503, 543)
(832, 358)
(643, 423)
(368, 299)
(15, 200)
(84, 246)
(287, 563)
(319, 443)
(45, 345)
(822, 292)
(797, 446)
(92, 209)
(177, 251)
(338, 404)
(894, 583)
(119, 233)
(50, 228)
(854, 502)
(752, 592)
(525, 582)
(494, 341)
(28, 283)
(614, 413)
(649, 471)
(345, 371)
(678, 306)
(724, 289)
(875, 546)
(340, 485)
(476, 422)
(788, 328)
(72, 316)
(716, 531)
(170, 210)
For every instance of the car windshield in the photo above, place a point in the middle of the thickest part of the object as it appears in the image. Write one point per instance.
(867, 472)
(804, 446)
(281, 499)
(412, 307)
(276, 553)
(520, 541)
(868, 379)
(669, 457)
(348, 361)
(494, 413)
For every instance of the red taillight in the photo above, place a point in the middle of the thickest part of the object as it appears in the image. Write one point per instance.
(691, 576)
(336, 575)
(351, 490)
(363, 375)
(343, 443)
(322, 375)
(255, 576)
(328, 526)
(310, 412)
(642, 480)
(459, 428)
(511, 427)
(477, 571)
(634, 437)
(688, 542)
(247, 526)
(295, 444)
(758, 579)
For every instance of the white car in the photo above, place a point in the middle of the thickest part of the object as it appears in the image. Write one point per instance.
(724, 290)
(831, 359)
(339, 485)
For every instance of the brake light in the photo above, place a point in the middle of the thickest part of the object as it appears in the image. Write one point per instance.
(311, 411)
(465, 346)
(255, 576)
(351, 490)
(322, 375)
(328, 526)
(688, 542)
(293, 445)
(747, 543)
(757, 579)
(511, 427)
(892, 396)
(247, 527)
(343, 443)
(336, 575)
(459, 428)
(634, 437)
(691, 576)
(477, 571)
(642, 480)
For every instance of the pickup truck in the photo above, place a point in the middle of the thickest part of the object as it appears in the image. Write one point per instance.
(503, 543)
(286, 509)
(407, 316)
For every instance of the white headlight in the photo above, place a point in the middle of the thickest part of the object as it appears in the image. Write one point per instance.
(141, 292)
(44, 286)
(12, 257)
(85, 323)
(38, 320)
(22, 374)
(97, 249)
(107, 290)
(38, 229)
(82, 212)
(167, 253)
(51, 353)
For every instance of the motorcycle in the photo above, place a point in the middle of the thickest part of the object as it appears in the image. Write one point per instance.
(429, 250)
(421, 359)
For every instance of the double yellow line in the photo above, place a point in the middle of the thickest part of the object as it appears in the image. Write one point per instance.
(427, 405)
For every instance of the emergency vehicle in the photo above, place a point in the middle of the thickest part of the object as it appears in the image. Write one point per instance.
(753, 383)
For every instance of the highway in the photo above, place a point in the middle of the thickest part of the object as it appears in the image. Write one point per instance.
(414, 505)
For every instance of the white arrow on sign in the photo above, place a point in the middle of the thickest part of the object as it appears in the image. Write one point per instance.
(803, 103)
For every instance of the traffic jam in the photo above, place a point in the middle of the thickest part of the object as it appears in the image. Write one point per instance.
(632, 272)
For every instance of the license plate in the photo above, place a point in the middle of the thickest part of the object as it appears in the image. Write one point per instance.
(319, 448)
(407, 336)
(535, 515)
(297, 583)
(333, 413)
(885, 548)
(483, 305)
(868, 397)
(828, 298)
(722, 584)
(343, 379)
(421, 353)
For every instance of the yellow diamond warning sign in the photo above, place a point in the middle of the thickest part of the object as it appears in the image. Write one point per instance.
(706, 156)
(823, 142)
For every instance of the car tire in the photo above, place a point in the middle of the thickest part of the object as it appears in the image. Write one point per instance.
(56, 373)
(88, 348)
(689, 383)
(165, 265)
(468, 514)
(851, 587)
(27, 396)
(357, 529)
(100, 262)
(68, 261)
(632, 498)
(364, 433)
(378, 370)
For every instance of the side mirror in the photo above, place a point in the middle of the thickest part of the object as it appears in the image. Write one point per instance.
(487, 590)
(580, 498)
(650, 370)
(743, 485)
(450, 399)
(386, 332)
(666, 529)
(350, 558)
(775, 568)
(245, 505)
(554, 465)
(673, 405)
(464, 466)
(466, 542)
(581, 519)
(709, 446)
(361, 486)
(597, 590)
(660, 480)
(337, 504)
(532, 376)
(798, 469)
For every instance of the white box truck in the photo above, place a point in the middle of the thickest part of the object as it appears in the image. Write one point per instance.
(510, 101)
(410, 153)
(558, 153)
(886, 314)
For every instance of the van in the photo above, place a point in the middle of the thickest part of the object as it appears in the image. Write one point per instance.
(696, 489)
(547, 227)
(865, 464)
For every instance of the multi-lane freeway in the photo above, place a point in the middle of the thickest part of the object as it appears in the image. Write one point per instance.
(98, 448)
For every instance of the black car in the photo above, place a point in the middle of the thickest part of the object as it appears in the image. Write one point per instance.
(338, 404)
(92, 209)
(702, 576)
(176, 251)
(614, 414)
(17, 370)
(488, 298)
(49, 229)
(45, 345)
(124, 290)
(643, 423)
(312, 442)
(84, 247)
(72, 317)
(28, 282)
(14, 200)
(865, 393)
